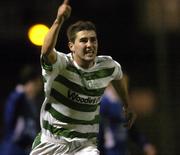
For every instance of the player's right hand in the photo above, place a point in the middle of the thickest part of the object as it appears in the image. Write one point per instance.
(64, 10)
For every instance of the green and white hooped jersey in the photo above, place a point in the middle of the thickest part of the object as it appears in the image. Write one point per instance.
(72, 96)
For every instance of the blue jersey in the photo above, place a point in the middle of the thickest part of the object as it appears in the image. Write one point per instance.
(20, 128)
(112, 129)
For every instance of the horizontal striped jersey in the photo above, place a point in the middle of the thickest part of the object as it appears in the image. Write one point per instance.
(72, 96)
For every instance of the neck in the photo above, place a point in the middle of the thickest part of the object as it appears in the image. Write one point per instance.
(83, 63)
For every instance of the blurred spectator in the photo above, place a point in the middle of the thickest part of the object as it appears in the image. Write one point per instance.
(21, 114)
(113, 136)
(143, 101)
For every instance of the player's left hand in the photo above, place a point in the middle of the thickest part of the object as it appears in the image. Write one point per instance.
(130, 117)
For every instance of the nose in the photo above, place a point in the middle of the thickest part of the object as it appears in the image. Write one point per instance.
(89, 43)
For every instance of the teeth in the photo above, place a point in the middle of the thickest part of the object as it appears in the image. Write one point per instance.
(90, 51)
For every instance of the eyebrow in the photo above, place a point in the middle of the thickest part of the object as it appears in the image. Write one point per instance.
(94, 37)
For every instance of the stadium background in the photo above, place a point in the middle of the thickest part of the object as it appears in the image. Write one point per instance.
(144, 36)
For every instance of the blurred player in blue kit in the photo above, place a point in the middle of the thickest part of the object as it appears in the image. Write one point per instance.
(21, 113)
(113, 136)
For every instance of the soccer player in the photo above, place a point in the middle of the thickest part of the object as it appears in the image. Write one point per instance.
(74, 84)
(21, 113)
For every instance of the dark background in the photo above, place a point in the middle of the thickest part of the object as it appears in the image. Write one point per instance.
(142, 35)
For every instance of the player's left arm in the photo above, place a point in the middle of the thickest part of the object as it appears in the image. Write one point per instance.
(121, 88)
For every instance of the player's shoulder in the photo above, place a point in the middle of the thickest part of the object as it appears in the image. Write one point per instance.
(103, 58)
(64, 56)
(62, 59)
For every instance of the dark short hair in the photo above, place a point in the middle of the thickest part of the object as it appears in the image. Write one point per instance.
(79, 26)
(29, 73)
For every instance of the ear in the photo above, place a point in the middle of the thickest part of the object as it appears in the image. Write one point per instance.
(71, 46)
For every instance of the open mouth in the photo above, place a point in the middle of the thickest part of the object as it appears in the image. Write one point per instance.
(90, 53)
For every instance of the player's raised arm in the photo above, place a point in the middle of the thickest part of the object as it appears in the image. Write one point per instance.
(50, 40)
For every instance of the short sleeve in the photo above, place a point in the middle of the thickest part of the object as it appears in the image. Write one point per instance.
(59, 64)
(118, 74)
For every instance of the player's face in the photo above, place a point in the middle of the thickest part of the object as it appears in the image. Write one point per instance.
(84, 48)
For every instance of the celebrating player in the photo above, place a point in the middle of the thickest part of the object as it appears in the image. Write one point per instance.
(74, 84)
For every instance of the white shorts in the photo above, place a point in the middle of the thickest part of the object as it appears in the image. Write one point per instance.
(45, 146)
